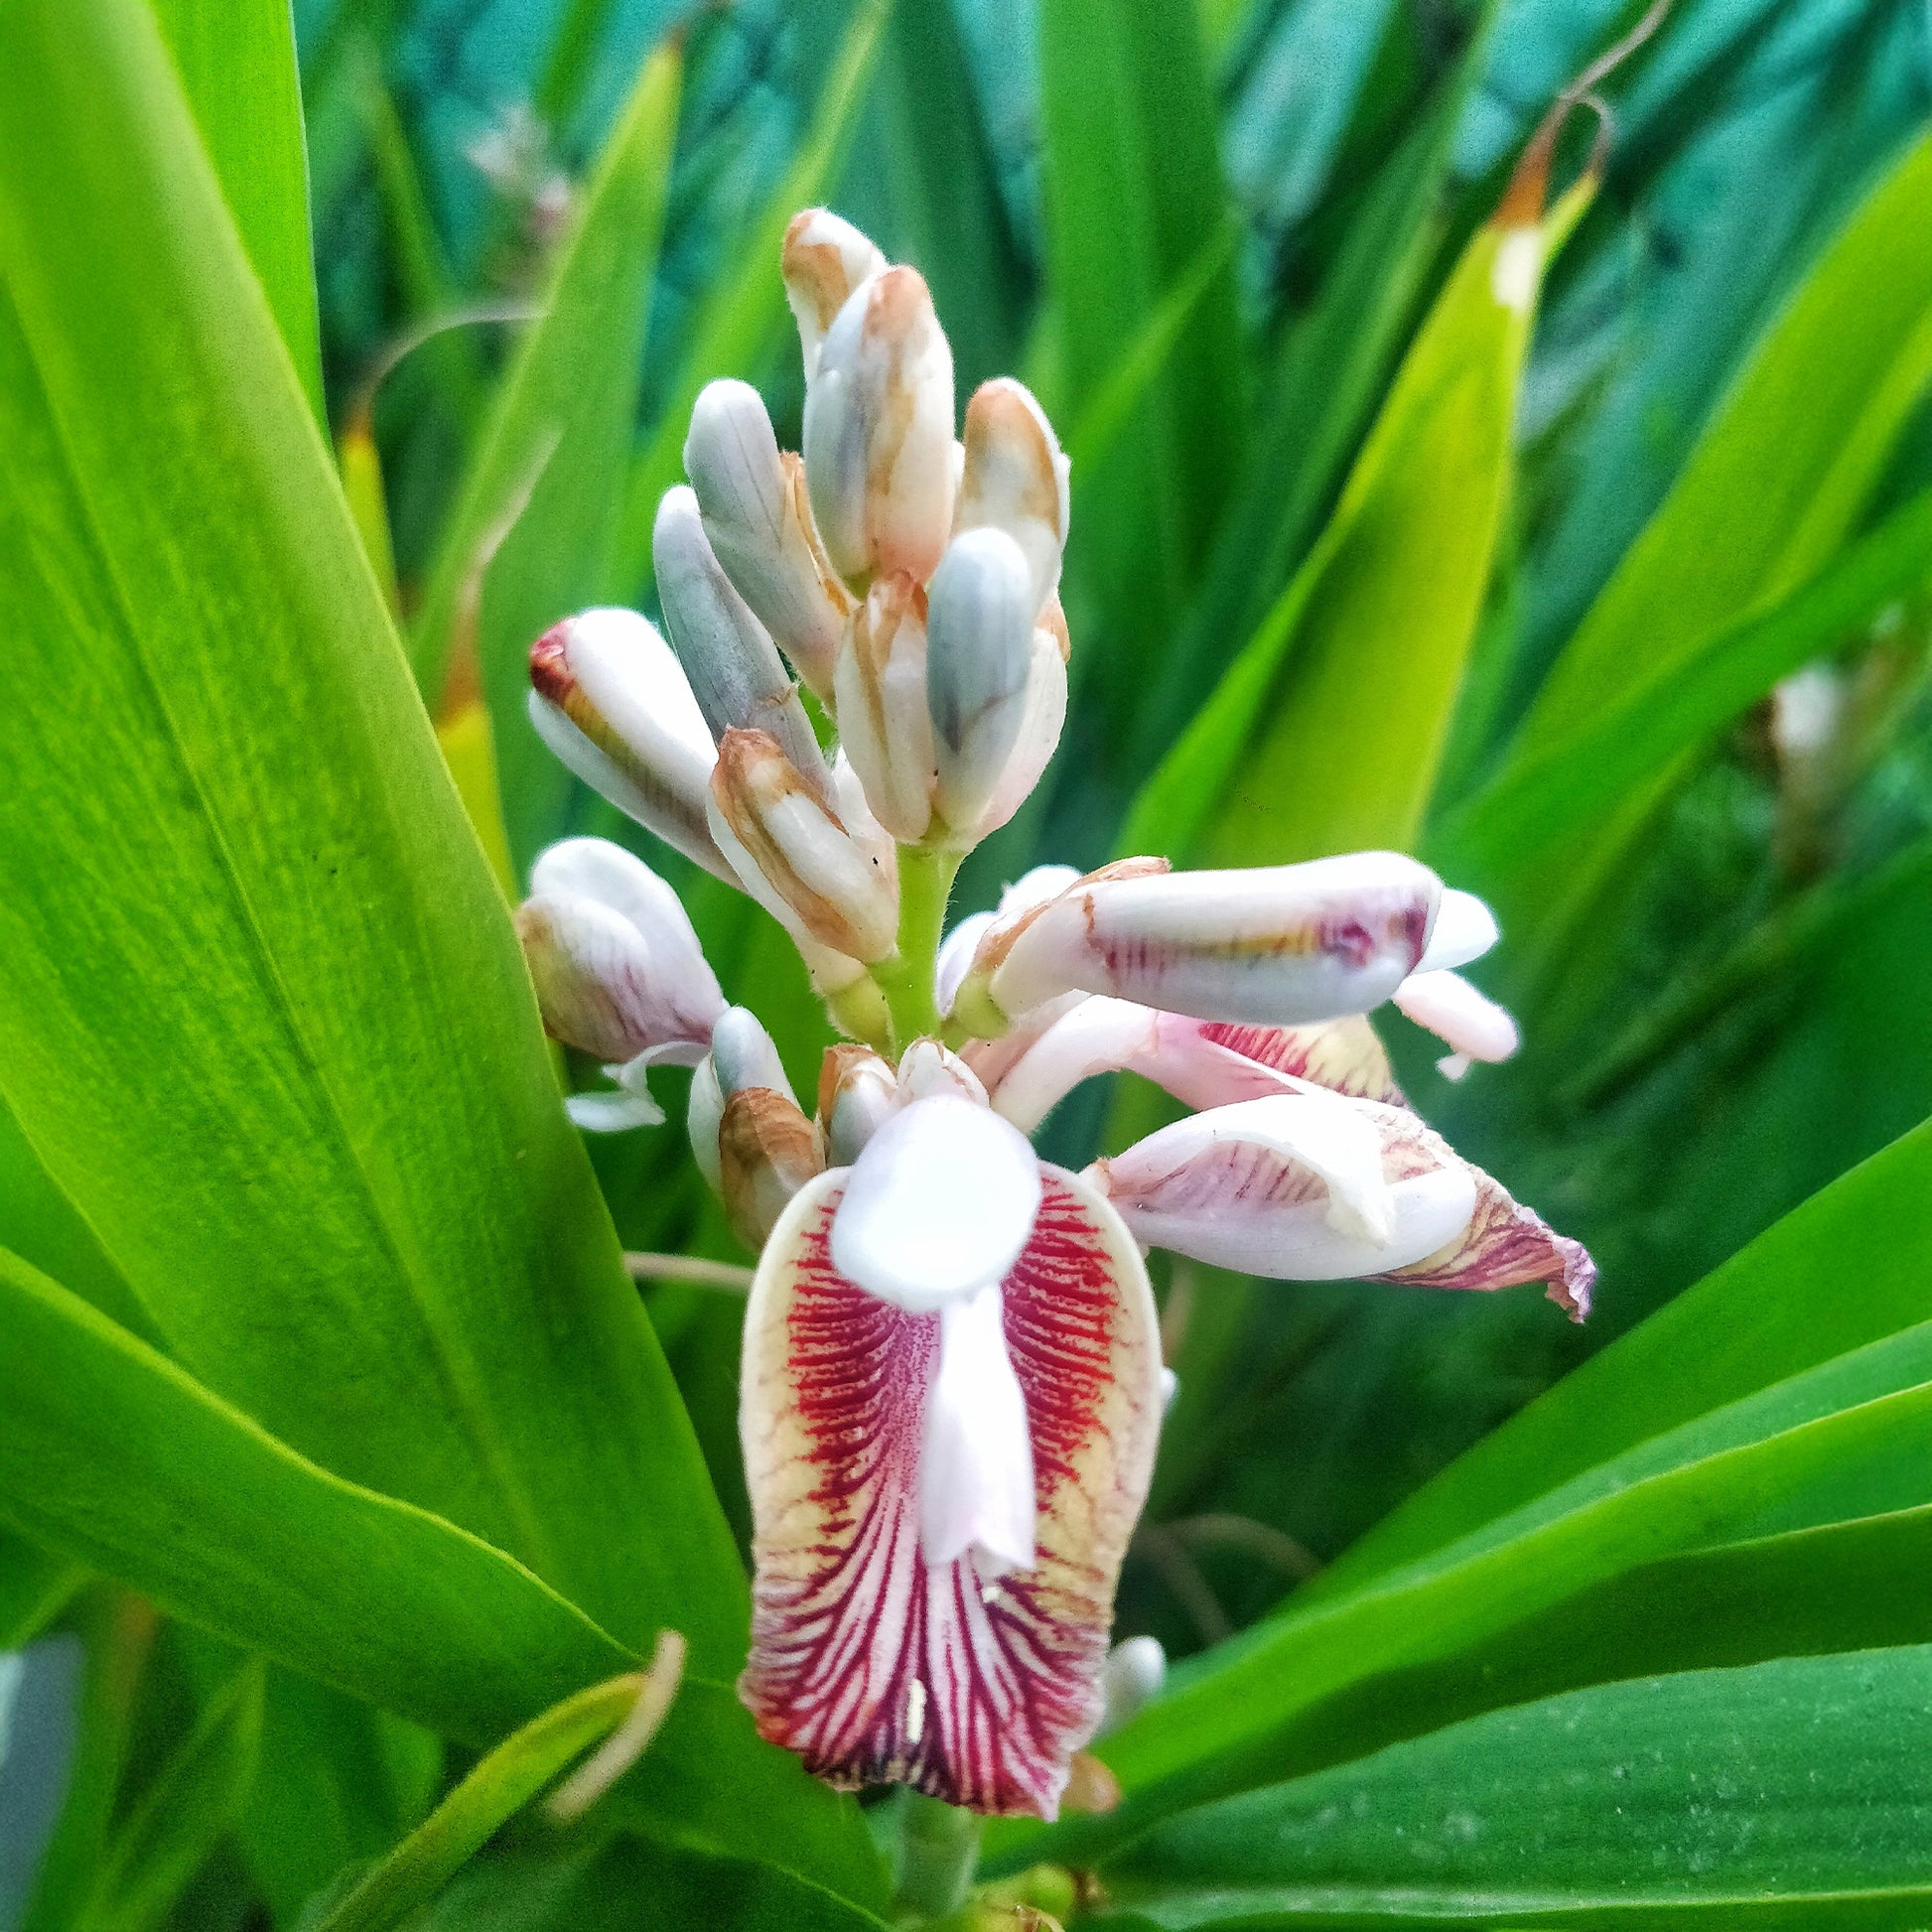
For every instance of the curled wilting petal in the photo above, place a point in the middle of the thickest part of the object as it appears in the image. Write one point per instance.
(752, 499)
(766, 1153)
(824, 259)
(1277, 946)
(837, 887)
(1014, 478)
(1471, 1022)
(868, 1660)
(979, 650)
(609, 698)
(880, 684)
(736, 672)
(938, 1204)
(879, 442)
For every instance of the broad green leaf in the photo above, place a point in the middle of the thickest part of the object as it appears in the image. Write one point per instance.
(528, 539)
(181, 1814)
(34, 1584)
(1792, 1793)
(264, 1018)
(236, 60)
(1553, 792)
(1786, 467)
(1234, 1718)
(1134, 195)
(1775, 1310)
(745, 314)
(113, 1455)
(1325, 731)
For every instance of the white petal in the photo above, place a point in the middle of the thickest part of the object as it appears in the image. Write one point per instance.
(979, 649)
(976, 1455)
(612, 1113)
(1135, 1670)
(1465, 929)
(832, 971)
(927, 1068)
(1035, 888)
(939, 1204)
(1456, 1013)
(743, 1055)
(824, 259)
(1040, 723)
(1014, 477)
(1098, 1035)
(703, 1114)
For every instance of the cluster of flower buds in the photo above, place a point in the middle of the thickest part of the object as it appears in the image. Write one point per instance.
(952, 1386)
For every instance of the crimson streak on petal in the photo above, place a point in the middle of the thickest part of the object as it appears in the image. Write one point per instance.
(871, 1665)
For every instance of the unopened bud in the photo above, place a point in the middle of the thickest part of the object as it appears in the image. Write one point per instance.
(766, 1153)
(825, 258)
(743, 1055)
(878, 441)
(736, 675)
(857, 1090)
(1015, 479)
(757, 517)
(1277, 946)
(1136, 1669)
(1040, 723)
(608, 697)
(979, 644)
(884, 726)
(842, 892)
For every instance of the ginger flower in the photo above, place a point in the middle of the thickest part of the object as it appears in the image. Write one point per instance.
(952, 1385)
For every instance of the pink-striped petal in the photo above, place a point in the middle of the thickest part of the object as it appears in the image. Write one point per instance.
(1344, 1055)
(871, 1664)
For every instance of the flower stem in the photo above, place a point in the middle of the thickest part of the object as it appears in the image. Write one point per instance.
(925, 877)
(938, 1847)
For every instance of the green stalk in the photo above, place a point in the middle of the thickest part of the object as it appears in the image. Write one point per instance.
(925, 877)
(938, 1847)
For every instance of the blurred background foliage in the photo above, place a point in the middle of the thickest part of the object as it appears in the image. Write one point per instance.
(1623, 623)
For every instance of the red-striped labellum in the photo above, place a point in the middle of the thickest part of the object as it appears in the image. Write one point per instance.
(872, 1665)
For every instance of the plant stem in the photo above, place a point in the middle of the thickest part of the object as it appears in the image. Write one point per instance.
(938, 1847)
(925, 877)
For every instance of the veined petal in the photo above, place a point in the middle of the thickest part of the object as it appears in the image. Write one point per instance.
(871, 1663)
(610, 700)
(938, 1204)
(1254, 1188)
(824, 259)
(1463, 929)
(1345, 1055)
(1279, 945)
(752, 497)
(976, 1459)
(1456, 1011)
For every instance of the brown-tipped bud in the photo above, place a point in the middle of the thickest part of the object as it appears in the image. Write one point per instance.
(1015, 479)
(766, 1153)
(885, 726)
(760, 523)
(878, 441)
(842, 890)
(857, 1089)
(608, 697)
(824, 259)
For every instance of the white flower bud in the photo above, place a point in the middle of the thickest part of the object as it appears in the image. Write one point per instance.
(1277, 946)
(736, 672)
(857, 1092)
(1015, 479)
(1041, 721)
(755, 513)
(824, 259)
(883, 727)
(838, 888)
(743, 1055)
(1136, 1669)
(608, 697)
(979, 649)
(765, 1153)
(878, 441)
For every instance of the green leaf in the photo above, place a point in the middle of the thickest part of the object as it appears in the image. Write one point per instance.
(1793, 1793)
(1133, 197)
(1787, 465)
(113, 1455)
(1552, 793)
(531, 531)
(34, 1586)
(1326, 733)
(236, 60)
(264, 1018)
(183, 1813)
(1775, 1310)
(745, 314)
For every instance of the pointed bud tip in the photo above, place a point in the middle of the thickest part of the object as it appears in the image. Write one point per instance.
(550, 662)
